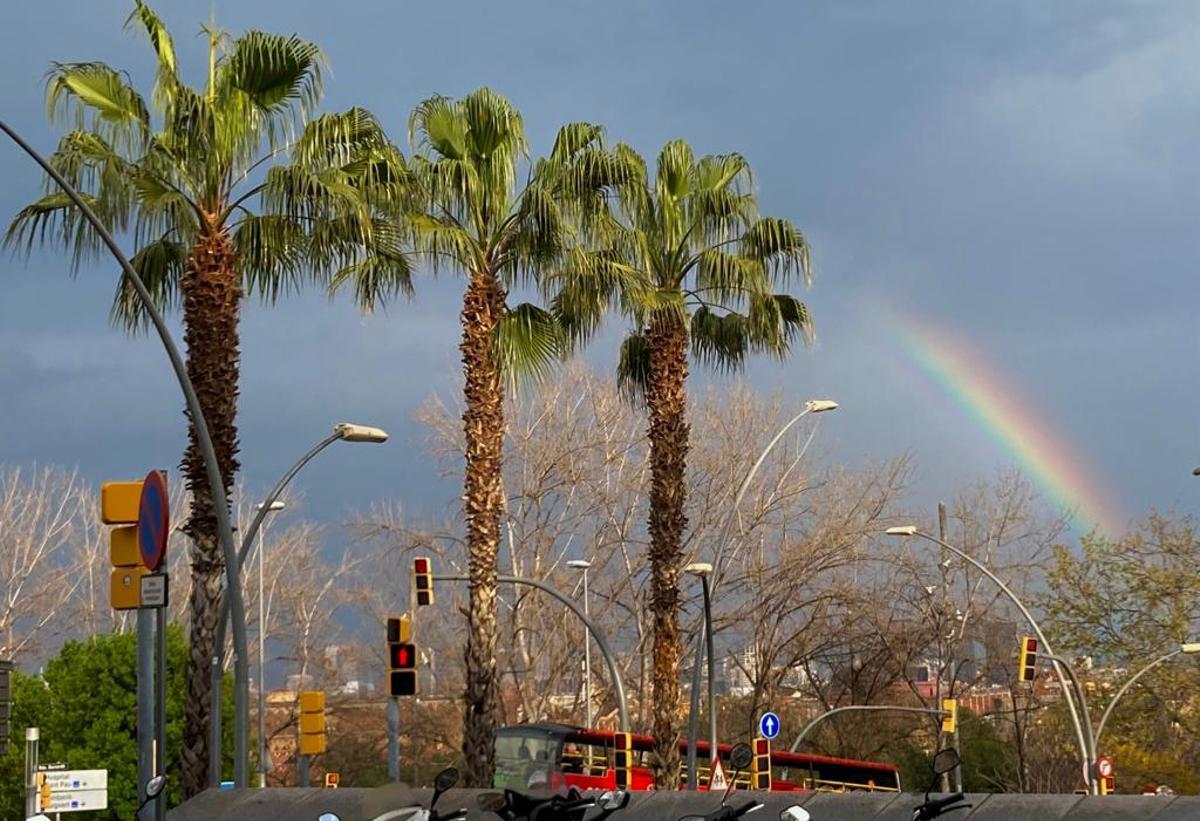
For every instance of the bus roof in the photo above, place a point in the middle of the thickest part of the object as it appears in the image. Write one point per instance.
(780, 758)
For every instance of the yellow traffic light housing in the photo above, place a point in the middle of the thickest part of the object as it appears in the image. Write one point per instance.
(622, 755)
(1027, 663)
(760, 775)
(949, 715)
(423, 581)
(312, 722)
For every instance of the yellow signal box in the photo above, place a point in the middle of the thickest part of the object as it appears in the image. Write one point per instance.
(312, 722)
(1027, 663)
(119, 502)
(949, 715)
(622, 759)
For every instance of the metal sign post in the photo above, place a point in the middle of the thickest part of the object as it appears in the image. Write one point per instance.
(31, 765)
(393, 722)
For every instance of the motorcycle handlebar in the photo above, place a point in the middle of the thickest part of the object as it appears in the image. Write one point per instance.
(932, 809)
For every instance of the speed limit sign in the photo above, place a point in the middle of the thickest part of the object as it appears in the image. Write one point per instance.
(1104, 765)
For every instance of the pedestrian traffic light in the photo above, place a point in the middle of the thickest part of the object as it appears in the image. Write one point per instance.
(423, 580)
(949, 715)
(760, 774)
(331, 781)
(622, 753)
(119, 506)
(6, 668)
(402, 668)
(1027, 664)
(312, 722)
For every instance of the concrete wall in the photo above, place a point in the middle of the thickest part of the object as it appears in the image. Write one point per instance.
(363, 805)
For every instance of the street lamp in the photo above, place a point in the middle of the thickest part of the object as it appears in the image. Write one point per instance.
(342, 432)
(1086, 745)
(273, 507)
(585, 565)
(1189, 648)
(702, 570)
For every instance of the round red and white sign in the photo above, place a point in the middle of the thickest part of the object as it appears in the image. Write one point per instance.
(1104, 765)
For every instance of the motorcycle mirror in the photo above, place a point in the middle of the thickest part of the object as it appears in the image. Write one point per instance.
(740, 756)
(446, 779)
(328, 816)
(613, 800)
(794, 813)
(491, 801)
(945, 761)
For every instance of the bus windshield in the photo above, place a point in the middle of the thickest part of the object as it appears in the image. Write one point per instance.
(526, 760)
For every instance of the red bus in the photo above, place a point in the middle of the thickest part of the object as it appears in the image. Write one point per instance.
(557, 756)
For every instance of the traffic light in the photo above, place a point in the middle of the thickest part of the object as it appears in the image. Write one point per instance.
(760, 774)
(622, 758)
(119, 506)
(1027, 664)
(949, 715)
(402, 664)
(423, 580)
(331, 781)
(399, 629)
(5, 704)
(312, 722)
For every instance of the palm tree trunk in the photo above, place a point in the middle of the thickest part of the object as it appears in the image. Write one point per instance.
(212, 294)
(666, 398)
(483, 427)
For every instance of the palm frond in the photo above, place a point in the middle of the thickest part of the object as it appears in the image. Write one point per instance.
(118, 113)
(277, 74)
(775, 321)
(781, 245)
(375, 278)
(444, 242)
(573, 138)
(437, 125)
(721, 276)
(720, 341)
(583, 288)
(529, 343)
(159, 264)
(273, 251)
(633, 367)
(166, 80)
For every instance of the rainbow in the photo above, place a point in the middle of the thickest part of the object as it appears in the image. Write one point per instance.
(1010, 421)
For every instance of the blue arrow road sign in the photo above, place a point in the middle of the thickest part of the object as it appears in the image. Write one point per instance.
(768, 725)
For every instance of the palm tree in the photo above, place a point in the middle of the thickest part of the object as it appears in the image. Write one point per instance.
(474, 217)
(226, 190)
(693, 266)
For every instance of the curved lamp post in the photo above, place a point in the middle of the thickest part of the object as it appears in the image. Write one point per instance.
(1085, 753)
(891, 708)
(212, 468)
(342, 432)
(584, 565)
(811, 406)
(1183, 649)
(613, 671)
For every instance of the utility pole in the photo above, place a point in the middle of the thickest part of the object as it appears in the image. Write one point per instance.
(393, 722)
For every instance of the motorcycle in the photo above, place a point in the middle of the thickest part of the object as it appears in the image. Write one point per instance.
(739, 759)
(945, 761)
(446, 779)
(511, 805)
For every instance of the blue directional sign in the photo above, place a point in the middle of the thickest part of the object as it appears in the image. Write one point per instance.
(768, 725)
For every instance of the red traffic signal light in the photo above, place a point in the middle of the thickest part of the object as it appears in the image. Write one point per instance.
(402, 656)
(423, 581)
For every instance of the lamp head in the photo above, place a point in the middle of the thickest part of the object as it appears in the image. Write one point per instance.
(820, 405)
(698, 569)
(579, 564)
(274, 507)
(902, 530)
(349, 432)
(1190, 647)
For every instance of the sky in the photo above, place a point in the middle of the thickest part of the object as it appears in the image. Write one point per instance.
(1000, 198)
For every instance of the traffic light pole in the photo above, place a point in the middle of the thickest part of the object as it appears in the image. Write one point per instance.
(393, 752)
(302, 770)
(601, 642)
(216, 484)
(145, 709)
